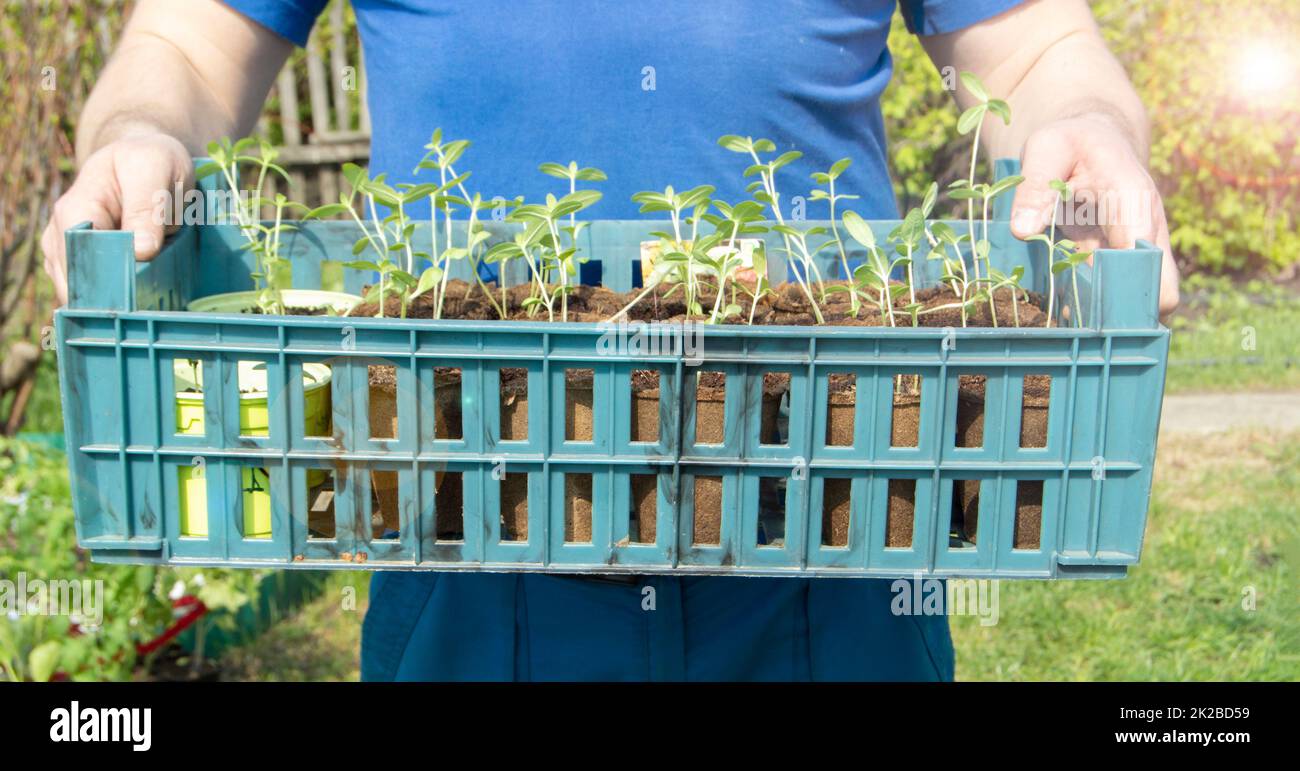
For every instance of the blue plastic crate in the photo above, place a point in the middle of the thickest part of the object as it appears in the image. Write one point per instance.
(121, 332)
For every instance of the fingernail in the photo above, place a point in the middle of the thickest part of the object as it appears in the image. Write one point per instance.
(145, 243)
(1024, 221)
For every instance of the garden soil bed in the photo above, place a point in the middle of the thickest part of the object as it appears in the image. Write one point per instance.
(786, 305)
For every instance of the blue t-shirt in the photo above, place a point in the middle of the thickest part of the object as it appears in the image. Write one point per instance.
(641, 90)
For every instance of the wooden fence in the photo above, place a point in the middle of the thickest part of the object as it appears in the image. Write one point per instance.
(318, 104)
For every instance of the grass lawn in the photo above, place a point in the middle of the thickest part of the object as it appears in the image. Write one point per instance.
(1224, 519)
(1223, 526)
(322, 641)
(1234, 338)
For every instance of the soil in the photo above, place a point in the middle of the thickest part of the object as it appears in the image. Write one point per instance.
(296, 310)
(645, 503)
(707, 526)
(514, 404)
(514, 507)
(786, 305)
(577, 508)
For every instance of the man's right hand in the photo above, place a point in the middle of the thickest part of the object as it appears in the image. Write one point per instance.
(117, 189)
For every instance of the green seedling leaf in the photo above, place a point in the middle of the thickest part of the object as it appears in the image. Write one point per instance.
(696, 196)
(452, 151)
(554, 170)
(402, 277)
(943, 232)
(975, 86)
(428, 280)
(858, 229)
(931, 196)
(207, 169)
(732, 142)
(1001, 109)
(971, 118)
(785, 159)
(1004, 184)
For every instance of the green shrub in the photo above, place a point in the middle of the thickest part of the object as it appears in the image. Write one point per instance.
(37, 541)
(1224, 159)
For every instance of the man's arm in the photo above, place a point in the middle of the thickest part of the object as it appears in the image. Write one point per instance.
(185, 72)
(1075, 117)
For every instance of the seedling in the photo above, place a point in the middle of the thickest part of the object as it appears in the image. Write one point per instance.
(573, 174)
(450, 192)
(690, 264)
(674, 248)
(735, 222)
(1063, 195)
(829, 195)
(693, 262)
(945, 245)
(542, 247)
(522, 246)
(998, 279)
(873, 275)
(909, 236)
(762, 287)
(386, 236)
(972, 120)
(1071, 260)
(764, 190)
(272, 275)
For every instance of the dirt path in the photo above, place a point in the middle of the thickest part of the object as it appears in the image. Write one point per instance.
(1212, 413)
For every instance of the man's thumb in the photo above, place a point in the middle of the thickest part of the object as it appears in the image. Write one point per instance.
(1046, 158)
(144, 213)
(150, 183)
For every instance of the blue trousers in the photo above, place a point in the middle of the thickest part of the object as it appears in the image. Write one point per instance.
(499, 626)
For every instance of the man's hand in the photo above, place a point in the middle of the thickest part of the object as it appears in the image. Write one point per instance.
(1096, 158)
(183, 74)
(117, 189)
(1074, 117)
